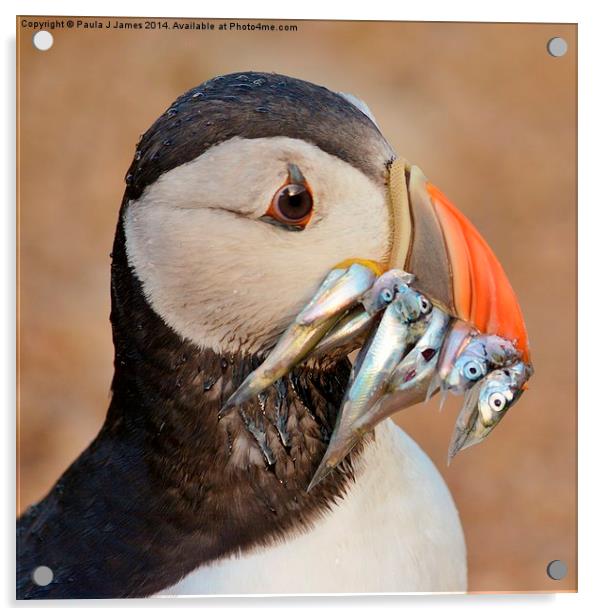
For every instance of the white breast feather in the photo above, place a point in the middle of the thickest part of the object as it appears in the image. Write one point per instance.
(397, 530)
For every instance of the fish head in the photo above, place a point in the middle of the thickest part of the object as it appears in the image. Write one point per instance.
(470, 366)
(385, 289)
(486, 404)
(410, 305)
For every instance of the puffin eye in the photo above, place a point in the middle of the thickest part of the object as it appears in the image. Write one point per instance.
(425, 305)
(473, 370)
(497, 402)
(292, 205)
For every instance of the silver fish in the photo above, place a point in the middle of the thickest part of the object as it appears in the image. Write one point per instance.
(486, 404)
(459, 335)
(482, 354)
(292, 347)
(399, 328)
(346, 333)
(359, 319)
(338, 295)
(341, 288)
(384, 290)
(410, 380)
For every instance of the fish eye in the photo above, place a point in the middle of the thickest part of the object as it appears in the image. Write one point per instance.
(425, 305)
(292, 205)
(386, 295)
(497, 401)
(473, 370)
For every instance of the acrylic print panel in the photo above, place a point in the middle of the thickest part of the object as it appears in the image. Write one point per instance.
(238, 203)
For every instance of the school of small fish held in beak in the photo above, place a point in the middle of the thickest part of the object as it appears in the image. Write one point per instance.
(411, 349)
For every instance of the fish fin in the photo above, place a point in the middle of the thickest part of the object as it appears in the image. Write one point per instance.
(433, 387)
(443, 398)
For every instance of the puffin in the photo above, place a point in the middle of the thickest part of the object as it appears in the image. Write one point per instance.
(240, 198)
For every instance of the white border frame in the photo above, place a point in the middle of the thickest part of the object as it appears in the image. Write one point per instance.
(587, 15)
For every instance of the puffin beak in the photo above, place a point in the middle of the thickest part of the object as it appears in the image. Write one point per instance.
(455, 267)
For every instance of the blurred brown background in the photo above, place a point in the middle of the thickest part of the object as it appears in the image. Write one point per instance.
(482, 108)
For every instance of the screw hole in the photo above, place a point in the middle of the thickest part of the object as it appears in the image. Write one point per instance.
(557, 569)
(42, 576)
(557, 47)
(43, 40)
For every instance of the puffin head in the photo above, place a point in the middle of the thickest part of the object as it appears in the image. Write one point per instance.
(243, 195)
(252, 186)
(247, 192)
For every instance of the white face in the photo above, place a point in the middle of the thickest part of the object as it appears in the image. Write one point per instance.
(221, 277)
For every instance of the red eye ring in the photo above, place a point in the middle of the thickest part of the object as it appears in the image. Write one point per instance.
(293, 202)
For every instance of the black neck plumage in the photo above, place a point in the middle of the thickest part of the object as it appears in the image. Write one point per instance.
(166, 486)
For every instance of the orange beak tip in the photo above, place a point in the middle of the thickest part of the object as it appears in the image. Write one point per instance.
(482, 293)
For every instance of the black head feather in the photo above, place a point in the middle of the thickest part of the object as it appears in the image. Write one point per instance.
(253, 105)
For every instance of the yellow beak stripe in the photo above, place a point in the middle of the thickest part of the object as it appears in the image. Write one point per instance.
(399, 204)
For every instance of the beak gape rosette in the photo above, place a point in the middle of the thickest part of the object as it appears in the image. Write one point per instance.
(441, 317)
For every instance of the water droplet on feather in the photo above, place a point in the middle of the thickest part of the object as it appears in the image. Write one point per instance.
(209, 383)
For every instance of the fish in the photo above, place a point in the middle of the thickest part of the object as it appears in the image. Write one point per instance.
(337, 293)
(486, 404)
(346, 333)
(292, 347)
(403, 323)
(458, 336)
(481, 354)
(359, 319)
(410, 379)
(341, 289)
(384, 290)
